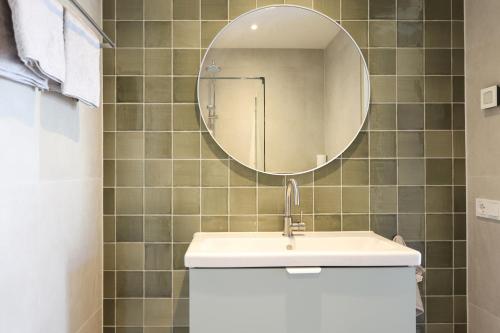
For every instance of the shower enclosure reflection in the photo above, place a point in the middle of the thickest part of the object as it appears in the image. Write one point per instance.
(235, 114)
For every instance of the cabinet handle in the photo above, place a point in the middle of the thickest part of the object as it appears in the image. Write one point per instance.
(303, 270)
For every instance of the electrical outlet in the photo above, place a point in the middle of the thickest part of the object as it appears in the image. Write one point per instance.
(489, 209)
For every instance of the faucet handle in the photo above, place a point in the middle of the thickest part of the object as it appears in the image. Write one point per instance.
(299, 226)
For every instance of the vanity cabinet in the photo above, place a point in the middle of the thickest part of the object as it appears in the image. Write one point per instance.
(280, 300)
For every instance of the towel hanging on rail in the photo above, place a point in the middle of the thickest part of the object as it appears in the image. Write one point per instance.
(38, 29)
(11, 67)
(82, 52)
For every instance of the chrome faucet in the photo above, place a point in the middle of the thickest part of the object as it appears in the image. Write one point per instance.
(289, 225)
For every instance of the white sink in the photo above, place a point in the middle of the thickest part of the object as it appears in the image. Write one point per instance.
(308, 249)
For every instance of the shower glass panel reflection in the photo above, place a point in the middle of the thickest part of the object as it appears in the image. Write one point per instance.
(232, 100)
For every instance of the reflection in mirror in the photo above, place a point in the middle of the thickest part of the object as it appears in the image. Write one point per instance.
(283, 89)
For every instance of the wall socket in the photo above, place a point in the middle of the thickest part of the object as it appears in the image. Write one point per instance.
(489, 209)
(490, 97)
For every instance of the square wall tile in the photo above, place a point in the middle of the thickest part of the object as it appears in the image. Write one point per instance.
(158, 312)
(186, 117)
(383, 10)
(410, 9)
(158, 89)
(411, 172)
(129, 9)
(186, 173)
(186, 201)
(158, 284)
(129, 117)
(330, 8)
(355, 172)
(129, 229)
(186, 145)
(327, 223)
(410, 61)
(158, 145)
(129, 34)
(410, 117)
(129, 89)
(129, 61)
(238, 7)
(383, 62)
(157, 256)
(327, 200)
(358, 30)
(383, 117)
(209, 30)
(410, 34)
(382, 144)
(157, 9)
(382, 33)
(129, 256)
(214, 173)
(383, 199)
(158, 117)
(186, 34)
(438, 34)
(157, 229)
(383, 172)
(186, 9)
(184, 227)
(355, 199)
(384, 225)
(186, 62)
(214, 9)
(158, 173)
(410, 89)
(438, 143)
(157, 200)
(438, 10)
(158, 62)
(214, 201)
(411, 144)
(185, 90)
(129, 312)
(129, 201)
(129, 284)
(355, 9)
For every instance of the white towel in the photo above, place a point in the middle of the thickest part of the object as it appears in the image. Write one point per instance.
(82, 48)
(11, 67)
(38, 29)
(419, 276)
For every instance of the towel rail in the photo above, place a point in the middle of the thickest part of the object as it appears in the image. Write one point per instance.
(107, 42)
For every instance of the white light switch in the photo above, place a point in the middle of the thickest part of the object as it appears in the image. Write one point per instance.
(489, 97)
(489, 209)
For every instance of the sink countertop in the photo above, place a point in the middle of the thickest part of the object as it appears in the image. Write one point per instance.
(306, 249)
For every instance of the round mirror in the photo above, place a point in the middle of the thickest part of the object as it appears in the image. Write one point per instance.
(283, 89)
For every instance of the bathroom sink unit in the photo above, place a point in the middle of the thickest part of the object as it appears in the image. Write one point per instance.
(271, 249)
(346, 282)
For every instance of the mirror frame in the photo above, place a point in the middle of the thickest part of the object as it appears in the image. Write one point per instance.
(221, 32)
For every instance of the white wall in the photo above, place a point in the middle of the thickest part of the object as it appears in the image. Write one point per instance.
(50, 211)
(344, 102)
(482, 67)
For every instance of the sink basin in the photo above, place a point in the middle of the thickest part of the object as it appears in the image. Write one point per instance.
(308, 249)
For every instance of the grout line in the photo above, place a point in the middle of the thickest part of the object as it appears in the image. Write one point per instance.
(143, 165)
(172, 115)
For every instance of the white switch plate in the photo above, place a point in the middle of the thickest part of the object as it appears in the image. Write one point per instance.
(489, 97)
(489, 209)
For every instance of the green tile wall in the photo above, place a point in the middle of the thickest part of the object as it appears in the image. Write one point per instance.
(164, 178)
